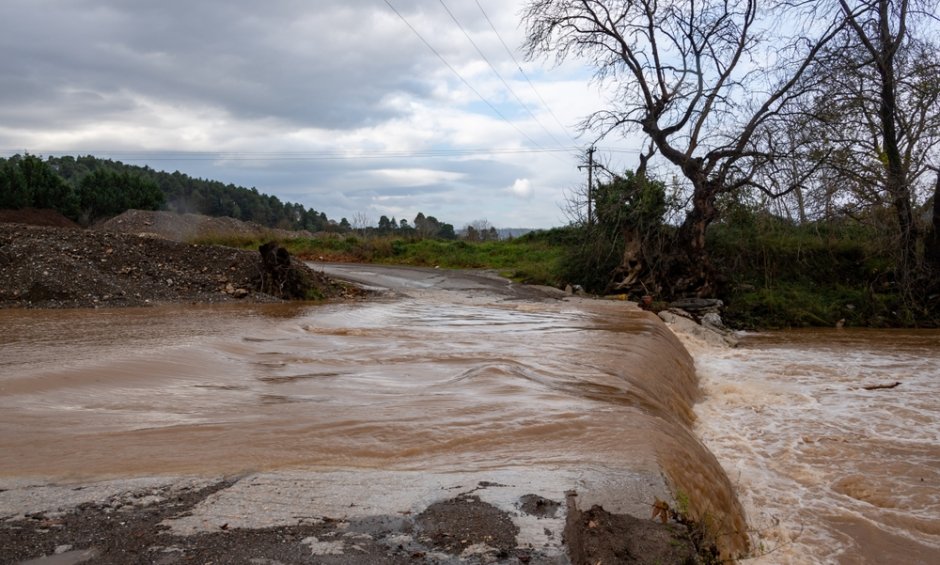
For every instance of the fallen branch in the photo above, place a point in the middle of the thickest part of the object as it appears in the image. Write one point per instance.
(879, 387)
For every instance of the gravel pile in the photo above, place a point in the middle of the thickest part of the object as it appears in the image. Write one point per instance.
(35, 217)
(186, 227)
(49, 267)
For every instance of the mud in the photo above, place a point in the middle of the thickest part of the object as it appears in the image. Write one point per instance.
(133, 527)
(598, 536)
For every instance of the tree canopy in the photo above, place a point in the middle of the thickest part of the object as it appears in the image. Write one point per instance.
(749, 99)
(87, 188)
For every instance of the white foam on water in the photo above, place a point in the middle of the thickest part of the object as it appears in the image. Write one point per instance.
(816, 457)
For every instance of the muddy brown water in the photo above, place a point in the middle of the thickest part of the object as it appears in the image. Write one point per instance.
(829, 471)
(430, 381)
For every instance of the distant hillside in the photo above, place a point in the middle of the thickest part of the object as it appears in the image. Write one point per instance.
(87, 189)
(512, 233)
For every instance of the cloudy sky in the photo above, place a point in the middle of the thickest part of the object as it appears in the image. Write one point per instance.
(336, 104)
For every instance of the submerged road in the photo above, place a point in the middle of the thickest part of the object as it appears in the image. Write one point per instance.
(468, 283)
(450, 421)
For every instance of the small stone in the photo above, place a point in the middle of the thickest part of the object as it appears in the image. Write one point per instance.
(712, 320)
(59, 550)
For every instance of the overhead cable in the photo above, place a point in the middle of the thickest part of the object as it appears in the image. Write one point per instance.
(496, 72)
(523, 73)
(130, 155)
(460, 76)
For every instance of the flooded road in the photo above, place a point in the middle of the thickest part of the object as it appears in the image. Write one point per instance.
(829, 471)
(453, 374)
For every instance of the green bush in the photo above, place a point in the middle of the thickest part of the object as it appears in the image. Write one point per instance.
(779, 274)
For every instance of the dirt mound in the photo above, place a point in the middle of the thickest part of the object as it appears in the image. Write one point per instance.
(35, 217)
(598, 536)
(55, 267)
(186, 227)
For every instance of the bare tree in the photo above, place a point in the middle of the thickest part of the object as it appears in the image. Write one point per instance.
(360, 222)
(700, 78)
(481, 230)
(894, 92)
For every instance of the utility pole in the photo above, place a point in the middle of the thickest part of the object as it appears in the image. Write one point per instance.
(590, 184)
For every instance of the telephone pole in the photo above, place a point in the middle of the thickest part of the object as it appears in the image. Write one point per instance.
(590, 184)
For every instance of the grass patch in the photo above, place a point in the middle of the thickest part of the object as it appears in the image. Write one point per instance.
(530, 260)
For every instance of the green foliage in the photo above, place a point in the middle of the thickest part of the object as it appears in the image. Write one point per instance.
(182, 193)
(779, 274)
(629, 205)
(526, 261)
(28, 182)
(104, 193)
(630, 200)
(593, 260)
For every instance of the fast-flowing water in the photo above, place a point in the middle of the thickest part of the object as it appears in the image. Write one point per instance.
(428, 382)
(830, 471)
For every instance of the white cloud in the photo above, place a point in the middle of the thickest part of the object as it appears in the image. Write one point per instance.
(415, 177)
(522, 188)
(334, 104)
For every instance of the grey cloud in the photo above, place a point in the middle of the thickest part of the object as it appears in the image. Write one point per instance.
(323, 64)
(265, 67)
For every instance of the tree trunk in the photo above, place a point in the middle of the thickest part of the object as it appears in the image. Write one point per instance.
(801, 206)
(932, 242)
(691, 270)
(897, 185)
(896, 180)
(697, 276)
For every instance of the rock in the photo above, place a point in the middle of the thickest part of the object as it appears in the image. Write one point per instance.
(713, 320)
(240, 292)
(698, 306)
(538, 506)
(710, 335)
(318, 547)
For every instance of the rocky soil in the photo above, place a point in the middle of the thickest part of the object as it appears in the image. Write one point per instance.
(187, 227)
(59, 267)
(34, 217)
(137, 526)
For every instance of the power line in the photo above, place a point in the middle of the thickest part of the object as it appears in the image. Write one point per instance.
(496, 72)
(296, 155)
(523, 73)
(453, 70)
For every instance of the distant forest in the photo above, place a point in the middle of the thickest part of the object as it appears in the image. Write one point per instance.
(87, 189)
